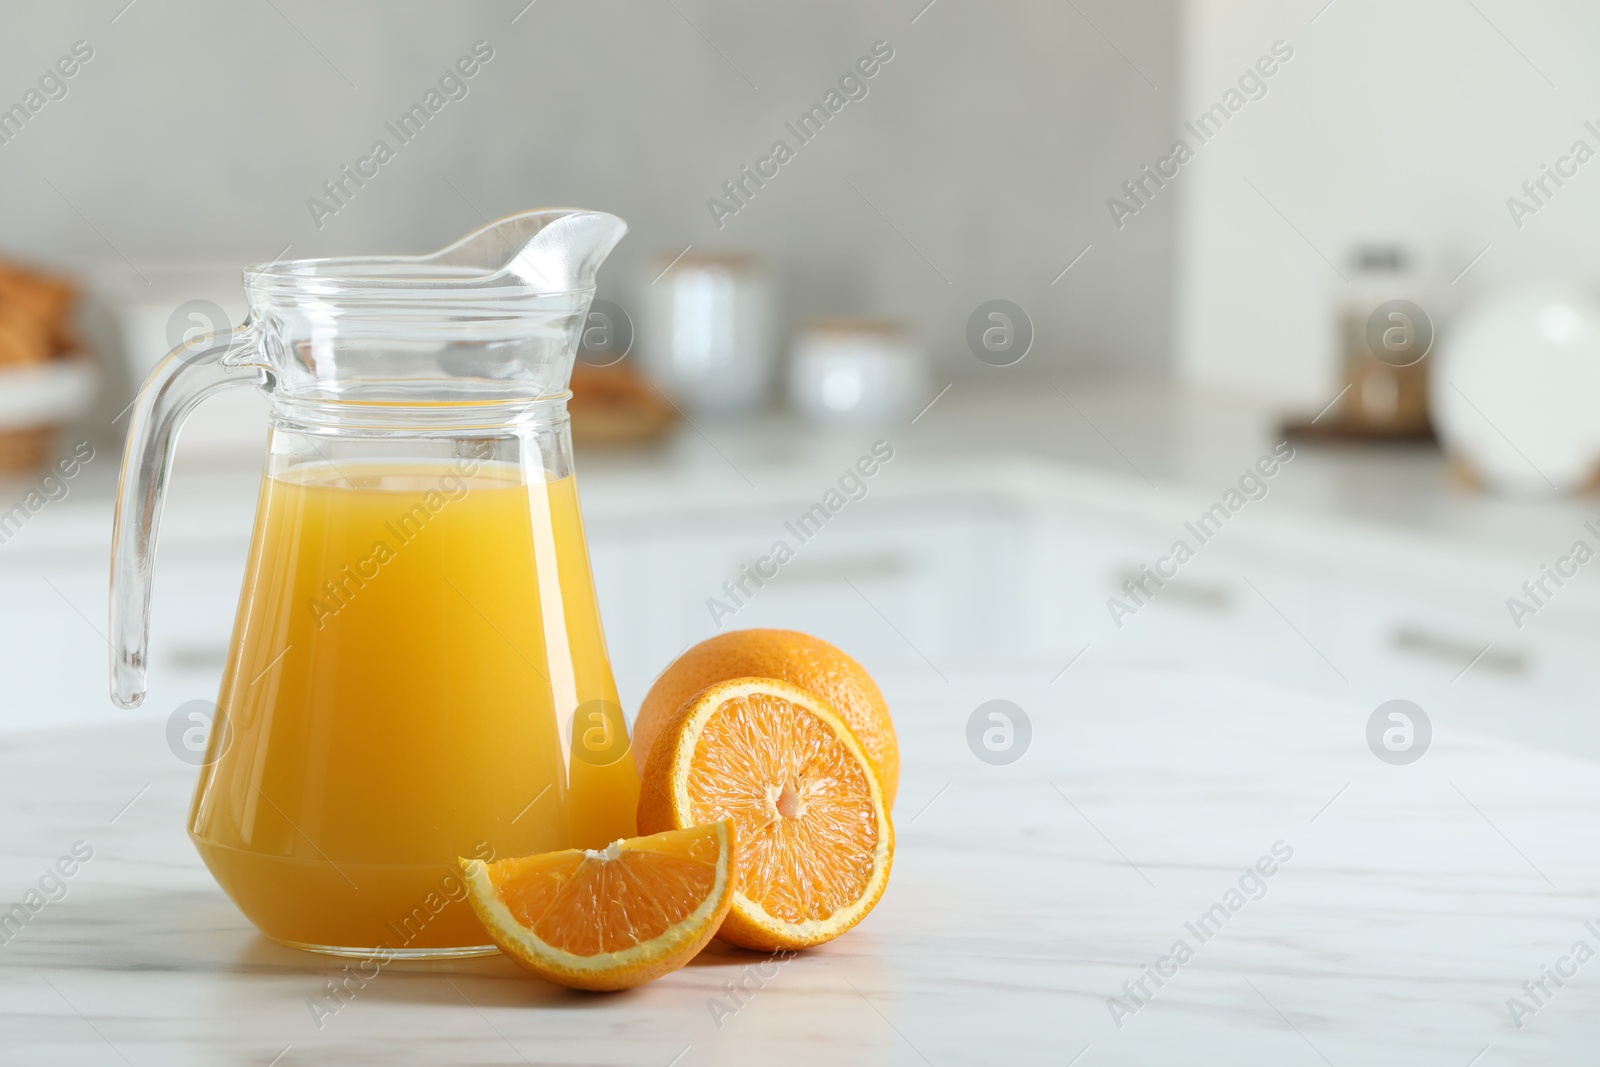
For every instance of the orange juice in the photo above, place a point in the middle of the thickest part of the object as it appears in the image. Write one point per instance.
(418, 673)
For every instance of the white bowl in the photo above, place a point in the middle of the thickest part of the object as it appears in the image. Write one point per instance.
(1516, 393)
(856, 371)
(45, 394)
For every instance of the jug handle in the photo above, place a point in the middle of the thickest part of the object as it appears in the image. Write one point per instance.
(187, 375)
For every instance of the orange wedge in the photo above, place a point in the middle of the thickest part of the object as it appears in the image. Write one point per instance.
(610, 918)
(815, 841)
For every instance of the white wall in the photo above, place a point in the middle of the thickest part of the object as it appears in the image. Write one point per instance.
(199, 130)
(1411, 121)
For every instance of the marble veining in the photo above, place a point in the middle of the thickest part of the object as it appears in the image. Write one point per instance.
(1417, 900)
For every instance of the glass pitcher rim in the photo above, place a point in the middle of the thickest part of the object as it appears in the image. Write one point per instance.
(369, 276)
(491, 261)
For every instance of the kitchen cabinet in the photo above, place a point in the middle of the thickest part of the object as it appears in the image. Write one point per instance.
(946, 564)
(904, 579)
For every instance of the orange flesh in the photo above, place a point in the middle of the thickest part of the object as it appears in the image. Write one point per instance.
(586, 905)
(800, 804)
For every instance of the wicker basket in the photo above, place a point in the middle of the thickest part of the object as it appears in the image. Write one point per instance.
(25, 451)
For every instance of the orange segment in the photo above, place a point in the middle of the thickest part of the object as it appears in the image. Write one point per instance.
(609, 918)
(815, 840)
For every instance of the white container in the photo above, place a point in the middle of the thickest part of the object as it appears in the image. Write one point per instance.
(709, 336)
(164, 308)
(1517, 387)
(856, 370)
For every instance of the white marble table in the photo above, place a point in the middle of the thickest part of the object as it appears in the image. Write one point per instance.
(1417, 900)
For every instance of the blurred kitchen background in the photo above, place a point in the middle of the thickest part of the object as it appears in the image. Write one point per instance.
(1070, 359)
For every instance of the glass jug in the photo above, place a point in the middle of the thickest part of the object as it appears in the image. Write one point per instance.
(417, 669)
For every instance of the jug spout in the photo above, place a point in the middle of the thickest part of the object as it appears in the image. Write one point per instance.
(496, 316)
(555, 250)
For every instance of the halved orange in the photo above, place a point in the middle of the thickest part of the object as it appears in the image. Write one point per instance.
(815, 841)
(800, 659)
(609, 918)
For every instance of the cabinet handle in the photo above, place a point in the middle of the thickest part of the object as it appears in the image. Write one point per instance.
(1420, 642)
(1179, 591)
(852, 568)
(198, 657)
